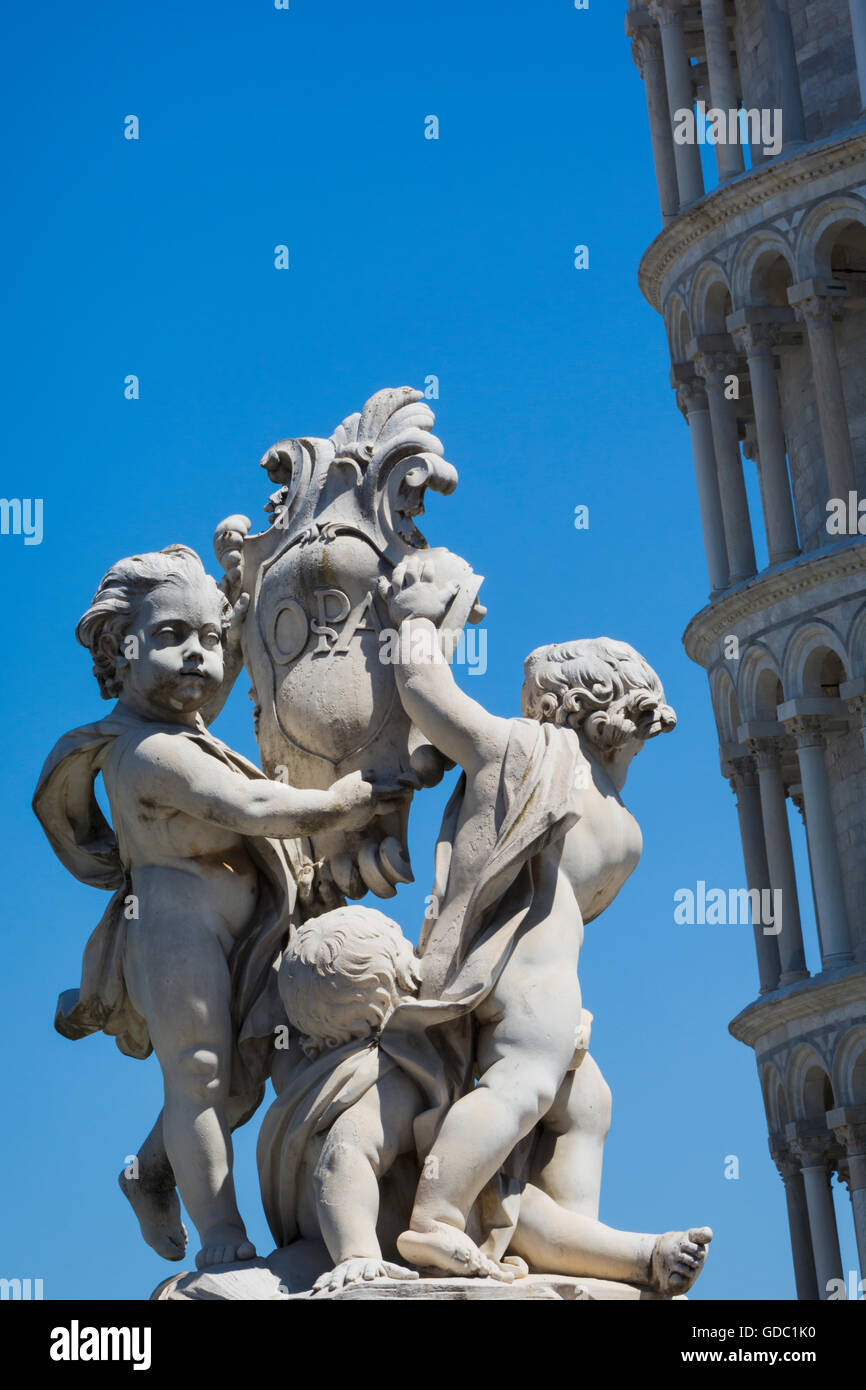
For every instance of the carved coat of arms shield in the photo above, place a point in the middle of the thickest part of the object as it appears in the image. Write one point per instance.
(313, 640)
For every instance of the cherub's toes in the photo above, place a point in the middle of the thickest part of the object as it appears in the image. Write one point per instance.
(495, 1271)
(701, 1235)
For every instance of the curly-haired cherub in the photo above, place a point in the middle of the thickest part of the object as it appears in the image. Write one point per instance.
(199, 855)
(535, 843)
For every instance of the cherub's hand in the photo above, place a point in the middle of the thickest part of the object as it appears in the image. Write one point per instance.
(356, 1271)
(357, 799)
(228, 545)
(415, 591)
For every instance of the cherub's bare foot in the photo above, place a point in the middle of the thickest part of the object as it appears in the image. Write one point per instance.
(446, 1248)
(356, 1271)
(158, 1212)
(678, 1258)
(224, 1245)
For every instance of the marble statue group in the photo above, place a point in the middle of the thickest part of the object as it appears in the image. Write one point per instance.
(437, 1119)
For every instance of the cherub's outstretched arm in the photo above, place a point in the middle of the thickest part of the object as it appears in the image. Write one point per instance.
(172, 772)
(458, 726)
(361, 1146)
(454, 723)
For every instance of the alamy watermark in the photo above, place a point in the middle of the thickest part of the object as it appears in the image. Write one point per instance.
(856, 1290)
(22, 516)
(23, 1289)
(702, 906)
(466, 647)
(77, 1343)
(846, 516)
(755, 126)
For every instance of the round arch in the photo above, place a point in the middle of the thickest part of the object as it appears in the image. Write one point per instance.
(808, 1084)
(725, 704)
(849, 1068)
(758, 686)
(806, 660)
(774, 1098)
(678, 328)
(836, 222)
(711, 301)
(763, 270)
(856, 643)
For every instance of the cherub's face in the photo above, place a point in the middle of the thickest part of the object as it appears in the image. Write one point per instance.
(175, 664)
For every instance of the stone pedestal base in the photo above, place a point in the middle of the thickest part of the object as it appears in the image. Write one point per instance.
(288, 1276)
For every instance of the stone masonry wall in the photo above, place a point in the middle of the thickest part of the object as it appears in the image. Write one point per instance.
(825, 60)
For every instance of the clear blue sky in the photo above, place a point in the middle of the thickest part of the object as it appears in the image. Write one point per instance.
(408, 257)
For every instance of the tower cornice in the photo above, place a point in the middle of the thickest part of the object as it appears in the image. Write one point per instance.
(795, 1003)
(754, 189)
(764, 591)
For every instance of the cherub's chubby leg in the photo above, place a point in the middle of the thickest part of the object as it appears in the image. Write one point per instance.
(178, 979)
(152, 1193)
(525, 1044)
(152, 1190)
(559, 1230)
(568, 1159)
(555, 1241)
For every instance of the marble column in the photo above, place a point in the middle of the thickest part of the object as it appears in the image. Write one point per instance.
(826, 869)
(780, 858)
(723, 84)
(743, 778)
(817, 312)
(796, 794)
(815, 1156)
(681, 97)
(758, 341)
(858, 29)
(853, 1139)
(692, 401)
(715, 368)
(798, 1223)
(788, 95)
(647, 53)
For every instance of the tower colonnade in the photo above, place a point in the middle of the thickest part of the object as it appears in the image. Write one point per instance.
(688, 51)
(761, 284)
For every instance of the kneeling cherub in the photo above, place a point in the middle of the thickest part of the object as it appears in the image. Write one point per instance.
(334, 1142)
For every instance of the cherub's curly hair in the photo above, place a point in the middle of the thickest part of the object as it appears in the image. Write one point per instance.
(342, 975)
(110, 615)
(603, 688)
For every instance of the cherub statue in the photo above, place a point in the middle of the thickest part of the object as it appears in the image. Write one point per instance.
(203, 859)
(337, 1151)
(535, 842)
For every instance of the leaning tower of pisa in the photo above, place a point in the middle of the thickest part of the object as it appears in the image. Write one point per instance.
(759, 272)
